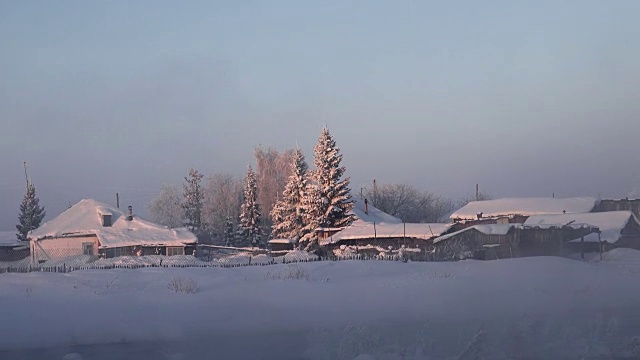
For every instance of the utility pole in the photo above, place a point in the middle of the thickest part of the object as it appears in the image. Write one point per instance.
(118, 200)
(375, 193)
(477, 192)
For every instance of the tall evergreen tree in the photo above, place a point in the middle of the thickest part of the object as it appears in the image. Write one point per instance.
(328, 202)
(288, 212)
(193, 201)
(249, 229)
(31, 213)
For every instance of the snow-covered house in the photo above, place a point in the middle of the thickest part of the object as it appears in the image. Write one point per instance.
(498, 241)
(12, 249)
(616, 228)
(374, 231)
(282, 244)
(517, 210)
(94, 228)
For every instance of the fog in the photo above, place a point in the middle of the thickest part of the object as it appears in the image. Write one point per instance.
(526, 100)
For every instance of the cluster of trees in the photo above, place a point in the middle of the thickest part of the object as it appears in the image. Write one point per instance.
(282, 198)
(406, 202)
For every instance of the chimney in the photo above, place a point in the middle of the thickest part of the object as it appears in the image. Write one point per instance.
(130, 216)
(366, 206)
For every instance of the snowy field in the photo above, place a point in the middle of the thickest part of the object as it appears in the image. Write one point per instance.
(545, 307)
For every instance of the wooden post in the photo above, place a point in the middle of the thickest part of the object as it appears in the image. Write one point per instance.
(600, 242)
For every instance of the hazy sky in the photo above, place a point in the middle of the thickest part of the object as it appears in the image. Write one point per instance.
(525, 98)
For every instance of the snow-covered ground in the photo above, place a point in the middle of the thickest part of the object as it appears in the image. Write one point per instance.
(542, 307)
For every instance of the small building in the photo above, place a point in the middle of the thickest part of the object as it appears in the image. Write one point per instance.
(617, 229)
(499, 241)
(282, 244)
(12, 249)
(517, 210)
(96, 229)
(373, 238)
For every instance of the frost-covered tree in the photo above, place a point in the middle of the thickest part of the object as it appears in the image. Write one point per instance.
(249, 229)
(193, 201)
(222, 199)
(328, 201)
(288, 212)
(229, 234)
(166, 207)
(31, 213)
(272, 172)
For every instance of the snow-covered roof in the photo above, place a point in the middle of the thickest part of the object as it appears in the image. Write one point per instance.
(83, 218)
(525, 207)
(372, 214)
(487, 229)
(8, 238)
(610, 223)
(386, 230)
(283, 241)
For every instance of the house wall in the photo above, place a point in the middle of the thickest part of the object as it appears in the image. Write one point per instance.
(632, 205)
(55, 248)
(470, 245)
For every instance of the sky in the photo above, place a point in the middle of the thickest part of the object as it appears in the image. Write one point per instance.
(525, 98)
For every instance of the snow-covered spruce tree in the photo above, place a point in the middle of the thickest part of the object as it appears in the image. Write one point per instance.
(31, 213)
(229, 234)
(249, 229)
(287, 213)
(328, 201)
(193, 202)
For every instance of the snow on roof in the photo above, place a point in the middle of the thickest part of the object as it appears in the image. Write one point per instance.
(83, 218)
(373, 214)
(9, 238)
(487, 229)
(283, 241)
(610, 223)
(525, 207)
(366, 231)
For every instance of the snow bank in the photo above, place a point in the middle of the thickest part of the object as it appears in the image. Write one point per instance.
(542, 307)
(299, 255)
(525, 207)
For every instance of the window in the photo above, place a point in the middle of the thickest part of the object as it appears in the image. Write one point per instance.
(87, 248)
(175, 251)
(106, 220)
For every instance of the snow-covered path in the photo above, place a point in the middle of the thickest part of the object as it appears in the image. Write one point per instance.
(537, 306)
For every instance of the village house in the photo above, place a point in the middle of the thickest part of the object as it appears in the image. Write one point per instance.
(499, 241)
(617, 229)
(12, 249)
(282, 244)
(517, 210)
(632, 205)
(375, 232)
(100, 230)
